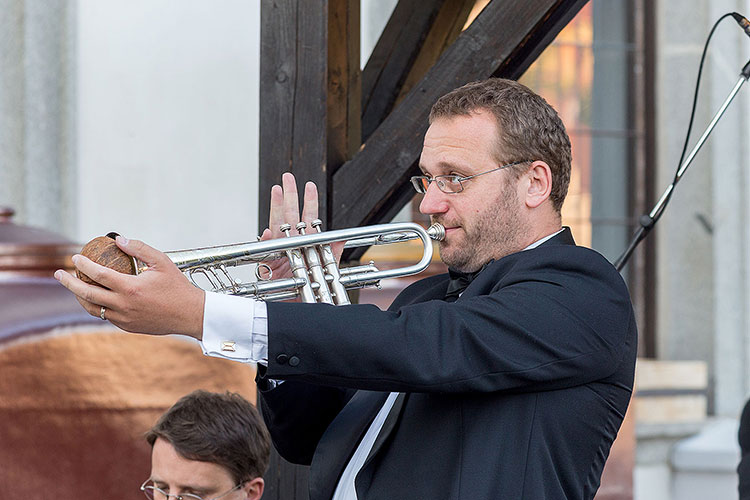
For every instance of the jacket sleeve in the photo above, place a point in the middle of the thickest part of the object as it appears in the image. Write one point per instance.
(543, 319)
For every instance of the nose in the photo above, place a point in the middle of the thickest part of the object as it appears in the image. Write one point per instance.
(434, 201)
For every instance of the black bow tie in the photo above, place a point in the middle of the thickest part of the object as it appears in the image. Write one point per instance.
(459, 281)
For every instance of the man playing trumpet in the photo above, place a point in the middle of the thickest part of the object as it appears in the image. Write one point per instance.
(508, 378)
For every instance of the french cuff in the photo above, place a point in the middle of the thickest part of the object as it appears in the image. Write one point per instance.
(235, 328)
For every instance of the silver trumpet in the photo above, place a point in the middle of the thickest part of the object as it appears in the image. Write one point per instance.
(316, 275)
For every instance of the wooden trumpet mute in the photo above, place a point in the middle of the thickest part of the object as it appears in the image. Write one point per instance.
(103, 250)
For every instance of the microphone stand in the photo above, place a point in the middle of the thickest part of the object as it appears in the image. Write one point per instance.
(647, 221)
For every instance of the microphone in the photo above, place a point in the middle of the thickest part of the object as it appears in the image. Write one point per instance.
(743, 22)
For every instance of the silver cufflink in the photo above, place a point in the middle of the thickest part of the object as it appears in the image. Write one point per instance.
(228, 345)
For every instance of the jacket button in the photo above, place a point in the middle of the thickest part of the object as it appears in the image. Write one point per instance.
(282, 358)
(293, 361)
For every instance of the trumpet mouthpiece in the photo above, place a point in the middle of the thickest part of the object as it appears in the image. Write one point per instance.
(436, 231)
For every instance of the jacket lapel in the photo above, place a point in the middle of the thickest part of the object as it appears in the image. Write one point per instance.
(338, 443)
(388, 425)
(364, 476)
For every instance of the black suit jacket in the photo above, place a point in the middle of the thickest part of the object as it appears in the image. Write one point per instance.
(516, 390)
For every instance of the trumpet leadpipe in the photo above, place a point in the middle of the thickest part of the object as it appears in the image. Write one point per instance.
(263, 251)
(435, 232)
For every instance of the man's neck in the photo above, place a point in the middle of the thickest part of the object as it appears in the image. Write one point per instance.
(541, 228)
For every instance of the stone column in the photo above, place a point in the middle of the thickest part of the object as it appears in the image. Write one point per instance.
(728, 163)
(37, 111)
(685, 274)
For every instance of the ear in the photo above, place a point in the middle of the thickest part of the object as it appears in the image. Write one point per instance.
(539, 185)
(254, 489)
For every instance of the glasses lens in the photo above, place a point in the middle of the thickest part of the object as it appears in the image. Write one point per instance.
(420, 183)
(449, 184)
(148, 491)
(154, 493)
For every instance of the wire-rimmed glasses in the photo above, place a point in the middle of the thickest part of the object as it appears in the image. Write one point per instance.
(451, 183)
(153, 492)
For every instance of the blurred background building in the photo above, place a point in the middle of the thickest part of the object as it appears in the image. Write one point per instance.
(142, 117)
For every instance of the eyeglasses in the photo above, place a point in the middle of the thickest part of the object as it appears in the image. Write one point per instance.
(451, 183)
(153, 492)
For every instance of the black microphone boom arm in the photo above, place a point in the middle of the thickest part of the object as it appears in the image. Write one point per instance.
(647, 221)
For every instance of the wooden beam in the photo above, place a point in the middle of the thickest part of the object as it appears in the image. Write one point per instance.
(448, 24)
(392, 58)
(344, 82)
(532, 46)
(502, 41)
(284, 480)
(310, 124)
(310, 93)
(293, 90)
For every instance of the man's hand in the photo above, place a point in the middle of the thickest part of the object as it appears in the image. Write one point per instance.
(285, 210)
(158, 301)
(161, 300)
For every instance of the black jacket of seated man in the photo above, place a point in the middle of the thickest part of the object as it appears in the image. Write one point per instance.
(520, 397)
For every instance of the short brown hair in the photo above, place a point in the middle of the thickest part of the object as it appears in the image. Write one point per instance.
(528, 127)
(224, 429)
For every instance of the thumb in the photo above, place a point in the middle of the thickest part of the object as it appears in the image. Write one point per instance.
(138, 249)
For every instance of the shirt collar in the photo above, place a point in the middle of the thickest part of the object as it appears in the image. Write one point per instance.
(539, 242)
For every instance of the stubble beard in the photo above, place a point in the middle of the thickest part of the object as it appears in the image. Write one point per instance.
(493, 234)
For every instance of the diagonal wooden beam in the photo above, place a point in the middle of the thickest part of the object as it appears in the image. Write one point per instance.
(502, 41)
(538, 39)
(448, 24)
(392, 58)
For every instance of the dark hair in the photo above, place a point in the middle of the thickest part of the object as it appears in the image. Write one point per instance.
(224, 429)
(528, 127)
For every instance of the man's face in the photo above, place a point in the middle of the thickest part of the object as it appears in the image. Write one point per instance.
(176, 475)
(485, 220)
